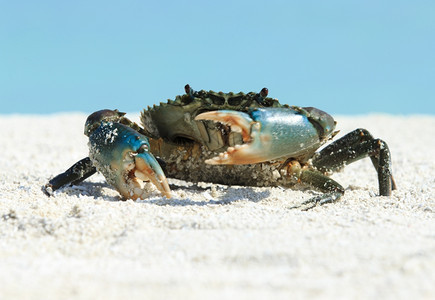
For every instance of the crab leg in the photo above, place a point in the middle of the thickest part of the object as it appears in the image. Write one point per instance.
(354, 146)
(267, 134)
(332, 189)
(74, 175)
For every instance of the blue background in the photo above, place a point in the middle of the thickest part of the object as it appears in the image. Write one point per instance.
(345, 57)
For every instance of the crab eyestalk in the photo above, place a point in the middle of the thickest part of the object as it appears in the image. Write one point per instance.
(189, 91)
(262, 95)
(121, 154)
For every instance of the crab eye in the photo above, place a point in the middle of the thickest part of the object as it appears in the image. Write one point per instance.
(187, 89)
(260, 97)
(143, 148)
(264, 92)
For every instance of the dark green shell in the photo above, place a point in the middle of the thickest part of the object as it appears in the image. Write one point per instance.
(184, 144)
(174, 121)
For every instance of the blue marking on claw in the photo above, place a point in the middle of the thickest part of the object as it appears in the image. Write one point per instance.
(268, 134)
(121, 154)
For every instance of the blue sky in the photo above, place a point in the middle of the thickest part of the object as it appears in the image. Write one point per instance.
(344, 57)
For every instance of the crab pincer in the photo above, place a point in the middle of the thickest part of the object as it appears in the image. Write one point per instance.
(122, 155)
(272, 144)
(267, 133)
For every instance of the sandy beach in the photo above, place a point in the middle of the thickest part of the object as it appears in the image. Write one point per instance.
(213, 241)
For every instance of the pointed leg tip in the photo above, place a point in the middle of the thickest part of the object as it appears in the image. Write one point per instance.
(48, 190)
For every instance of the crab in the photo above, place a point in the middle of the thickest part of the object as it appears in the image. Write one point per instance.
(225, 138)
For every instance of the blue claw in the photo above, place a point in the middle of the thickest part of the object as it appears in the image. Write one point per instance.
(122, 155)
(268, 134)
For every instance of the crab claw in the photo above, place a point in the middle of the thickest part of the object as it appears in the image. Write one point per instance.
(121, 154)
(148, 169)
(267, 133)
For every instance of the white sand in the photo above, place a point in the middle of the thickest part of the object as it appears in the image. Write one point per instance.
(218, 242)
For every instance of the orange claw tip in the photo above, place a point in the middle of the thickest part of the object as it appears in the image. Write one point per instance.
(148, 169)
(226, 116)
(238, 121)
(219, 161)
(239, 155)
(164, 188)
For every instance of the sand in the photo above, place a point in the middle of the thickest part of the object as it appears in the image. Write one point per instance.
(213, 241)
